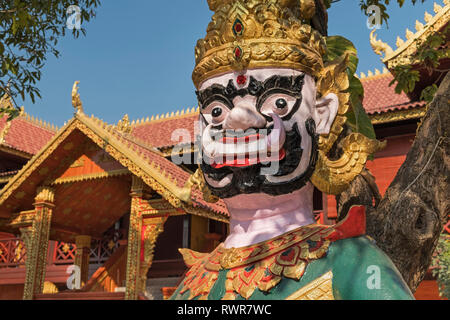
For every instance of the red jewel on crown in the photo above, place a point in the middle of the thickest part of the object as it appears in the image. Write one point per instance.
(238, 28)
(241, 80)
(238, 53)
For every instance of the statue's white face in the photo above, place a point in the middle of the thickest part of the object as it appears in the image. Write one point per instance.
(260, 130)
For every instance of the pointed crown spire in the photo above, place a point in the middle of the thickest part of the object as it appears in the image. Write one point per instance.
(246, 34)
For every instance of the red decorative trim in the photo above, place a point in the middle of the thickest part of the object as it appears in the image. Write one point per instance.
(447, 225)
(353, 225)
(144, 228)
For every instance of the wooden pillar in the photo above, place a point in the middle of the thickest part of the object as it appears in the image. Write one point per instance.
(134, 240)
(83, 244)
(35, 234)
(152, 227)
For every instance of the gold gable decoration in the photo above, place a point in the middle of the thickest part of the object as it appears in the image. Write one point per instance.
(249, 34)
(402, 55)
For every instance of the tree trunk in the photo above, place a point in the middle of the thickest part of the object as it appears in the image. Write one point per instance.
(407, 222)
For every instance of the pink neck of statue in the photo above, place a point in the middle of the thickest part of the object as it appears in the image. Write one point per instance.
(259, 217)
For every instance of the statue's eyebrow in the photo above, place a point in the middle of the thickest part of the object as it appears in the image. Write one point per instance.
(290, 83)
(255, 88)
(217, 91)
(229, 92)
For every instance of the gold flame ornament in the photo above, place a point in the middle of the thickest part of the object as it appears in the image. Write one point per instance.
(76, 100)
(197, 179)
(250, 34)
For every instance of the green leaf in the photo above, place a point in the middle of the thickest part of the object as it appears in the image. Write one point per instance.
(338, 46)
(406, 79)
(356, 88)
(30, 32)
(429, 92)
(357, 118)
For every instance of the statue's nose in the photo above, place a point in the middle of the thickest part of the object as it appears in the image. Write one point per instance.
(243, 118)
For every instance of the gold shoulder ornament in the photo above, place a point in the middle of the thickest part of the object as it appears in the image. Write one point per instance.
(260, 266)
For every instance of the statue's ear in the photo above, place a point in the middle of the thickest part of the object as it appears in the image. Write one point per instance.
(327, 108)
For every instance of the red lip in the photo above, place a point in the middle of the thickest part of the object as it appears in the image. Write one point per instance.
(244, 139)
(248, 161)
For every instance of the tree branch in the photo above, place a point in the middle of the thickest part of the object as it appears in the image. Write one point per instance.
(409, 219)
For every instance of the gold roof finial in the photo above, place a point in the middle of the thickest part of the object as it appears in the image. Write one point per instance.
(419, 25)
(428, 17)
(399, 42)
(76, 100)
(124, 124)
(437, 8)
(409, 34)
(378, 46)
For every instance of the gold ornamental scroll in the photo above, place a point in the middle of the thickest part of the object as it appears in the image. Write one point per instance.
(134, 240)
(35, 230)
(152, 228)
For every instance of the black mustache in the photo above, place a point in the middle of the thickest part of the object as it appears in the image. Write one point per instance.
(248, 179)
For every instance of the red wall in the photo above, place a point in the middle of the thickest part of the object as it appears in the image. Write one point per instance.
(384, 167)
(428, 290)
(11, 292)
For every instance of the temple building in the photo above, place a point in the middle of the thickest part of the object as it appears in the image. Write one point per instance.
(108, 198)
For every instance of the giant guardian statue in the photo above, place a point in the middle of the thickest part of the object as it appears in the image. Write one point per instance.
(273, 113)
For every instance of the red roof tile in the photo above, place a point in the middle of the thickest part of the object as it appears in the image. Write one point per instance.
(403, 106)
(379, 96)
(25, 135)
(218, 207)
(3, 122)
(158, 133)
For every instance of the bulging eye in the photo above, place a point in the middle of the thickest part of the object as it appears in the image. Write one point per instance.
(278, 103)
(281, 106)
(215, 112)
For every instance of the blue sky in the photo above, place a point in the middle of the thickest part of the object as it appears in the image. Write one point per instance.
(138, 56)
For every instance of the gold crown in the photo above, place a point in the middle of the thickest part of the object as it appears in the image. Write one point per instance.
(248, 34)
